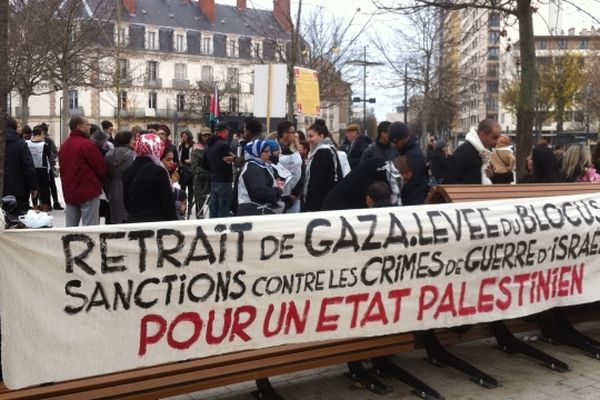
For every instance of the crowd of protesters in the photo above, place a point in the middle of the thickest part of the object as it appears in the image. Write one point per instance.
(141, 176)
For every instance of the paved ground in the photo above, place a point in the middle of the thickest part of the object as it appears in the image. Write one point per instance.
(521, 378)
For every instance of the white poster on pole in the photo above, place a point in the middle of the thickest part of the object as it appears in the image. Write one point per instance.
(273, 77)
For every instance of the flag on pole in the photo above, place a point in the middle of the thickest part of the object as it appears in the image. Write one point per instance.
(215, 110)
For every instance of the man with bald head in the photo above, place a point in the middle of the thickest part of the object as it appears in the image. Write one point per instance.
(470, 163)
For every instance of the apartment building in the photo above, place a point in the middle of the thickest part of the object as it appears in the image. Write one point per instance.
(165, 48)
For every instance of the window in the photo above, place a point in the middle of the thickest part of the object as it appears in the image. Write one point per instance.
(123, 101)
(492, 86)
(152, 40)
(492, 70)
(207, 45)
(123, 69)
(180, 42)
(152, 100)
(152, 71)
(232, 48)
(493, 53)
(562, 44)
(584, 44)
(180, 102)
(74, 69)
(180, 71)
(206, 102)
(233, 104)
(492, 104)
(73, 100)
(542, 44)
(493, 37)
(232, 75)
(257, 50)
(122, 35)
(207, 75)
(494, 19)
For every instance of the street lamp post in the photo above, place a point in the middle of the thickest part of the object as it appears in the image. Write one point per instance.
(364, 99)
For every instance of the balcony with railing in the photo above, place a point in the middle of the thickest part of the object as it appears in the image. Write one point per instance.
(153, 83)
(180, 84)
(158, 113)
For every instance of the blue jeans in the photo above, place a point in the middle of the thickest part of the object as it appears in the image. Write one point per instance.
(220, 199)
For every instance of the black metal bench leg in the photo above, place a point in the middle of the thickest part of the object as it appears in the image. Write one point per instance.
(554, 330)
(509, 343)
(388, 367)
(358, 373)
(561, 319)
(264, 390)
(438, 355)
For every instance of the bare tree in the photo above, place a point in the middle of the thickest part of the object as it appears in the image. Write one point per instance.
(414, 57)
(317, 41)
(27, 64)
(332, 42)
(74, 34)
(522, 11)
(4, 9)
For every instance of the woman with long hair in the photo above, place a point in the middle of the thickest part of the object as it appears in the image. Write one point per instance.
(577, 165)
(186, 180)
(323, 168)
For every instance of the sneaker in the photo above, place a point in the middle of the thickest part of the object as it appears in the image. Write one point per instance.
(57, 206)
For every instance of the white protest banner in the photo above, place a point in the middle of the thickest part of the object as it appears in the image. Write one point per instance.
(85, 301)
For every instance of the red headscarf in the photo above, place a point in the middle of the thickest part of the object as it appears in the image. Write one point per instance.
(150, 145)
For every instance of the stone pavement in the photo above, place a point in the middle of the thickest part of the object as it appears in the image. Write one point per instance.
(520, 377)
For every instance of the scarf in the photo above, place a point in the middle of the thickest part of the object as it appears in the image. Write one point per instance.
(254, 149)
(149, 145)
(395, 180)
(484, 154)
(325, 144)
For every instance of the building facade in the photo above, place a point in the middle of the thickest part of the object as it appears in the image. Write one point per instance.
(162, 60)
(549, 49)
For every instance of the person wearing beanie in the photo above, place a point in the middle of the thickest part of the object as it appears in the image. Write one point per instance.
(415, 190)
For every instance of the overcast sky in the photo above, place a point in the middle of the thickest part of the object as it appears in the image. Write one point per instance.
(387, 99)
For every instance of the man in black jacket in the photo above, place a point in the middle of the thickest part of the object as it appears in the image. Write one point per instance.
(381, 148)
(19, 174)
(220, 158)
(465, 167)
(415, 190)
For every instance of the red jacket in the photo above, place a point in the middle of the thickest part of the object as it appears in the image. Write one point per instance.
(82, 168)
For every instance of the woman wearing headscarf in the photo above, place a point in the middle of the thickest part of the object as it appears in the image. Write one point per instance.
(146, 184)
(259, 188)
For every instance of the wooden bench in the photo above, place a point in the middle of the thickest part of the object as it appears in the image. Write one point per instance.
(554, 325)
(195, 375)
